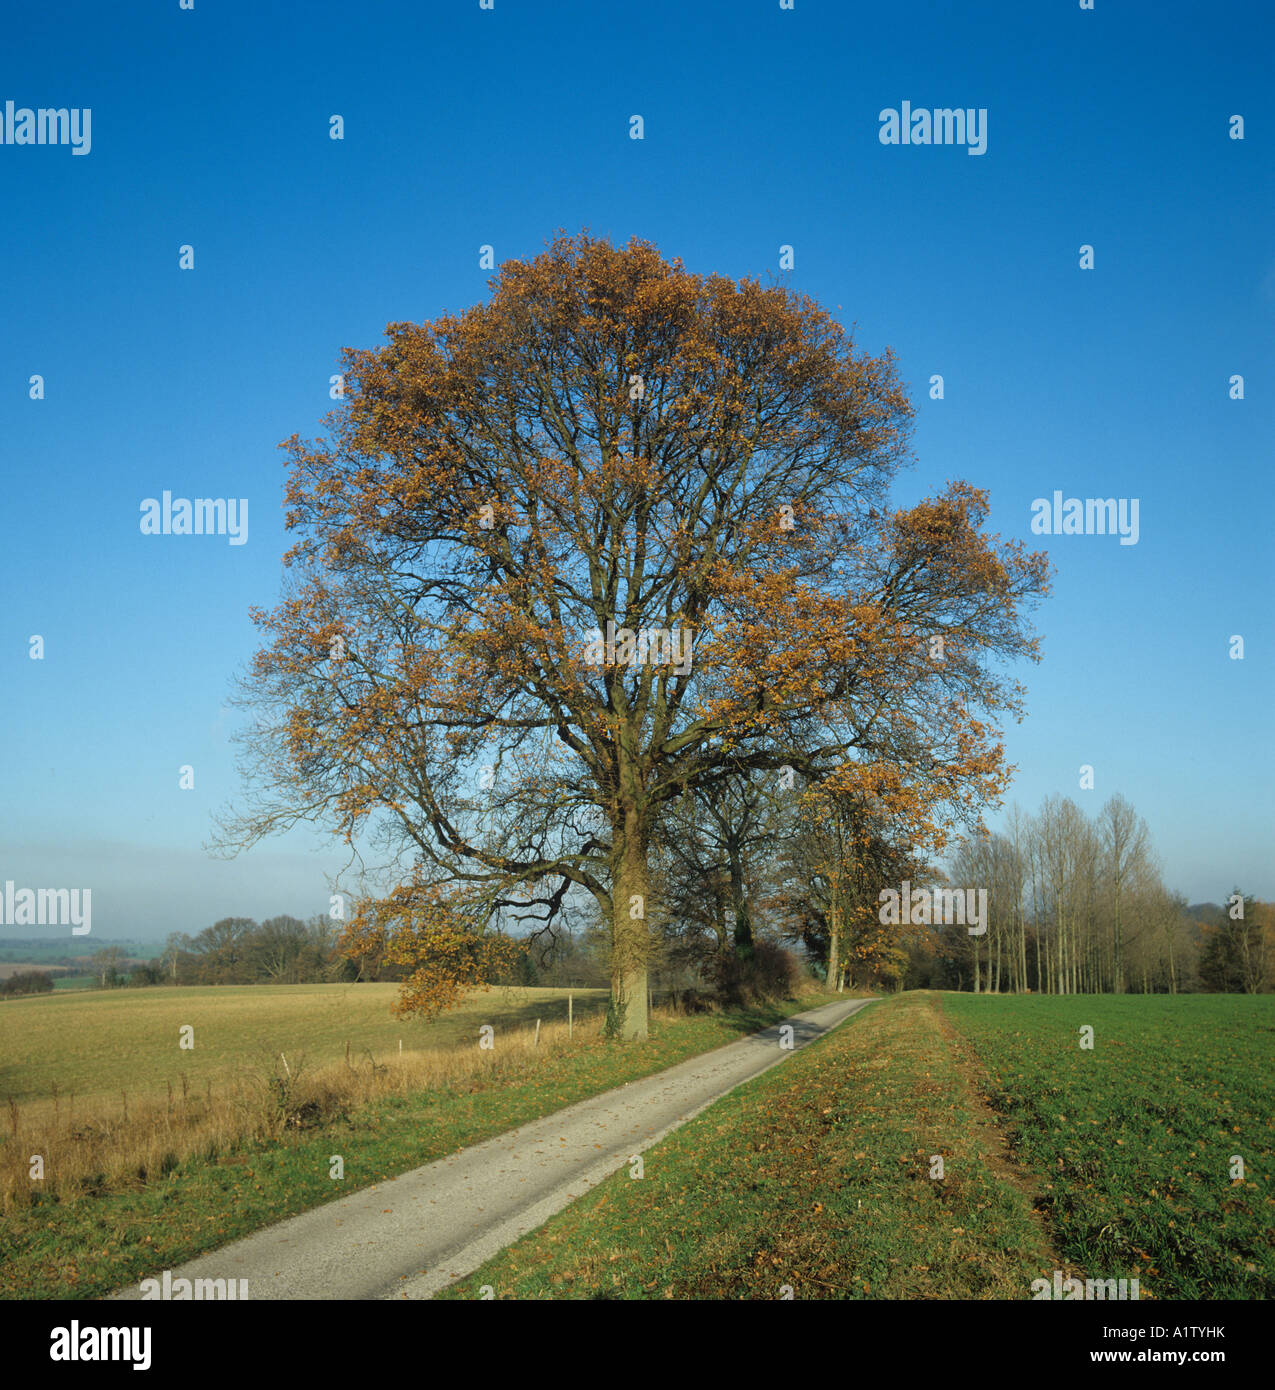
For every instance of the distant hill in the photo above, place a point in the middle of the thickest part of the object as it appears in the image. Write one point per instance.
(1209, 913)
(42, 951)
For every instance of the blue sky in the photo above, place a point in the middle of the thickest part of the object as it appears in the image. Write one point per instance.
(463, 128)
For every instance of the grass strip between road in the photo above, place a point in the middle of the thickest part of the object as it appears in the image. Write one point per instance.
(95, 1243)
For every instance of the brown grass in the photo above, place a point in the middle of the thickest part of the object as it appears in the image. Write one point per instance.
(107, 1143)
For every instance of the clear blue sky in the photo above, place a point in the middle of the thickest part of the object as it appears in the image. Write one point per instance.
(465, 127)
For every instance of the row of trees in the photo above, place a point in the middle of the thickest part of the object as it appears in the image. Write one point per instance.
(23, 982)
(1074, 904)
(240, 951)
(1078, 905)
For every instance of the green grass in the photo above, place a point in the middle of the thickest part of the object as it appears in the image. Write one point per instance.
(108, 1041)
(815, 1178)
(1133, 1140)
(93, 1244)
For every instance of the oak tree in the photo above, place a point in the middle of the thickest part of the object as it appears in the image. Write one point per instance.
(618, 532)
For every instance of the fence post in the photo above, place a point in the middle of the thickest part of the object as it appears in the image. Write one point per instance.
(537, 1032)
(570, 1018)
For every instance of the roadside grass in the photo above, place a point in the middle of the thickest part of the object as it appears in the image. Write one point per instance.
(811, 1181)
(132, 1197)
(1135, 1139)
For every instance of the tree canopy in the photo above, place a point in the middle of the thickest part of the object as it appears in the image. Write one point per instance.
(617, 534)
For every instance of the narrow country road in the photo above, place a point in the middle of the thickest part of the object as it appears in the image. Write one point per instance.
(412, 1235)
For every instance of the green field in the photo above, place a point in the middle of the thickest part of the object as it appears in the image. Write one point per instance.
(103, 1042)
(1134, 1140)
(817, 1177)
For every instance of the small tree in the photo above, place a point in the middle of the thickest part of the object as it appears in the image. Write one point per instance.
(439, 938)
(1234, 958)
(105, 964)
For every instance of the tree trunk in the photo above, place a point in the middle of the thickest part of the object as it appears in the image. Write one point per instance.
(739, 902)
(1118, 982)
(721, 925)
(1022, 954)
(630, 937)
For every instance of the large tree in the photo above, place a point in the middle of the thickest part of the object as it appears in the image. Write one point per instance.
(616, 533)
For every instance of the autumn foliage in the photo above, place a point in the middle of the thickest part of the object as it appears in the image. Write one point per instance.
(612, 441)
(439, 937)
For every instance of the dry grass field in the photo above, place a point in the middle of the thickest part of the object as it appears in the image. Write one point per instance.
(126, 1042)
(98, 1085)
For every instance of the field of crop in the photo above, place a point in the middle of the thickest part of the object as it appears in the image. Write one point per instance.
(1135, 1140)
(1115, 1162)
(108, 1042)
